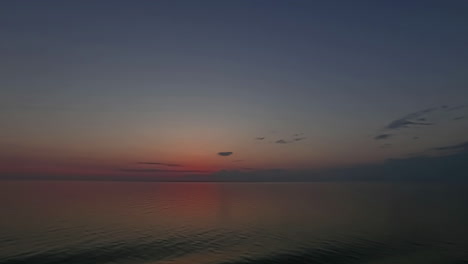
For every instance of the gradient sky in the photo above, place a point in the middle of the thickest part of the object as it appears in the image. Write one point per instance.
(161, 87)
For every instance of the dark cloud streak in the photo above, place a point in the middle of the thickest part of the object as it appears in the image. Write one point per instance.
(383, 136)
(458, 147)
(283, 141)
(408, 120)
(403, 123)
(299, 139)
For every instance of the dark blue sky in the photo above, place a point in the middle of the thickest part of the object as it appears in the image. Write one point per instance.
(98, 84)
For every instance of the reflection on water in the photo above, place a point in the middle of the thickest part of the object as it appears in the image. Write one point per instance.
(93, 222)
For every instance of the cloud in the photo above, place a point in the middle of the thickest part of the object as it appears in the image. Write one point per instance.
(225, 154)
(160, 163)
(259, 138)
(283, 141)
(403, 123)
(458, 107)
(416, 137)
(458, 147)
(444, 150)
(298, 134)
(411, 119)
(421, 118)
(422, 112)
(299, 139)
(382, 136)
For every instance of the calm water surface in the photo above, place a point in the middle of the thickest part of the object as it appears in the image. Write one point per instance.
(235, 223)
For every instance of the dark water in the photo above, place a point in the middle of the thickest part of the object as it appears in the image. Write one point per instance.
(235, 223)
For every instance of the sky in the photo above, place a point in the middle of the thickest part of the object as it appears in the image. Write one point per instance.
(235, 90)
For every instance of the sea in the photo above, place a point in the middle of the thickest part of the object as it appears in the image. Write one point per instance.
(78, 222)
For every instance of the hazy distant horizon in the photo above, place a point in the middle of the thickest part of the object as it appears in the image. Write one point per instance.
(452, 167)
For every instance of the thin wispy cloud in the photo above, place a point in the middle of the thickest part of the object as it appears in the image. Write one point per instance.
(383, 136)
(299, 139)
(405, 123)
(289, 141)
(422, 118)
(458, 147)
(461, 148)
(296, 137)
(283, 141)
(160, 164)
(415, 119)
(457, 107)
(412, 119)
(225, 154)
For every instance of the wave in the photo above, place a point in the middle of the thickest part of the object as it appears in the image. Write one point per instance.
(155, 250)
